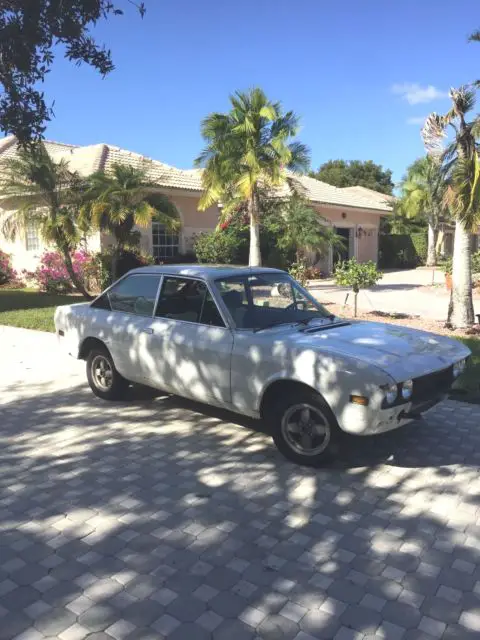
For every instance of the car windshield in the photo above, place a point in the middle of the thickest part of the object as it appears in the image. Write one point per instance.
(263, 300)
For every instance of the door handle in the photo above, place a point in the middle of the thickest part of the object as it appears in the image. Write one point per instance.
(149, 331)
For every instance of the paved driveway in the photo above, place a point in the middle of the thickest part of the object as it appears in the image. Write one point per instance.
(399, 292)
(156, 518)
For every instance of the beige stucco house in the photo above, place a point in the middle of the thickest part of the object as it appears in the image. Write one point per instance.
(355, 212)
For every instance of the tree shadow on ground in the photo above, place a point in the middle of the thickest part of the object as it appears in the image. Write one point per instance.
(159, 511)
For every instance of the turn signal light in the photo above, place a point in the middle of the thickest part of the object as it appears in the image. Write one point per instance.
(359, 400)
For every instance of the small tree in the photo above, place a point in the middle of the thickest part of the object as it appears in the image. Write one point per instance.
(357, 276)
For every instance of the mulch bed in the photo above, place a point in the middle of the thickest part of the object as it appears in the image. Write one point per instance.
(415, 322)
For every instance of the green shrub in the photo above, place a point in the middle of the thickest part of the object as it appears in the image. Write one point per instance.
(446, 266)
(357, 276)
(99, 276)
(7, 272)
(402, 251)
(476, 262)
(420, 244)
(298, 270)
(219, 247)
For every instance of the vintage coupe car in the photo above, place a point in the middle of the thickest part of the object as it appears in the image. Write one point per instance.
(252, 340)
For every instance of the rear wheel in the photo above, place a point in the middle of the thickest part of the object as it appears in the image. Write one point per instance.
(103, 378)
(304, 428)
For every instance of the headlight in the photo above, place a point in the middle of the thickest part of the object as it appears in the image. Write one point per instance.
(391, 393)
(459, 368)
(407, 389)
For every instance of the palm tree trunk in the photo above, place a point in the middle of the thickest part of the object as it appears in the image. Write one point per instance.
(255, 257)
(115, 258)
(461, 305)
(76, 281)
(432, 245)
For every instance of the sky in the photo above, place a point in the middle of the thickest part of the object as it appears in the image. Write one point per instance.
(361, 74)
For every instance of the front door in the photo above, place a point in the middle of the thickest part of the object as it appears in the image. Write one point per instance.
(189, 347)
(342, 253)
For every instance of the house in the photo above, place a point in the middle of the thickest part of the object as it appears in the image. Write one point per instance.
(355, 212)
(446, 236)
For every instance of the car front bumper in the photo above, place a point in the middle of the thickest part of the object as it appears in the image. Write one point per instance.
(365, 421)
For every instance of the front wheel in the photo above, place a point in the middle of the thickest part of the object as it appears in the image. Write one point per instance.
(304, 429)
(103, 378)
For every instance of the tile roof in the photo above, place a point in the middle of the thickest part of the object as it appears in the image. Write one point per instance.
(88, 159)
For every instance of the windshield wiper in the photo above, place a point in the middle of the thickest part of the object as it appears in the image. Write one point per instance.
(306, 321)
(273, 324)
(303, 321)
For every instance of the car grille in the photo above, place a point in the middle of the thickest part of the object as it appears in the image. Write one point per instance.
(433, 384)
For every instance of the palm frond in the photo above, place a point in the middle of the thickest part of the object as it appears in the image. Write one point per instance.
(248, 147)
(433, 133)
(143, 214)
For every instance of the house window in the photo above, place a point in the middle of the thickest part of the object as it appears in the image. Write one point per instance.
(31, 237)
(165, 243)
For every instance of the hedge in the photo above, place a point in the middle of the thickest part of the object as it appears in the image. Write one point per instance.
(402, 251)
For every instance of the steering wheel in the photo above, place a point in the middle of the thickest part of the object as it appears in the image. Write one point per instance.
(291, 307)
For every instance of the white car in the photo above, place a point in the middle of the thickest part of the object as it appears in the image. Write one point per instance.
(252, 340)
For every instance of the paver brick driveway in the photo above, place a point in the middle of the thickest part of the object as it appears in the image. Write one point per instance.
(151, 519)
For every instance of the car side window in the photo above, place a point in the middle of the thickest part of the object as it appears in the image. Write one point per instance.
(134, 294)
(210, 313)
(189, 300)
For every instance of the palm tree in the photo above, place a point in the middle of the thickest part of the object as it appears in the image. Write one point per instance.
(423, 191)
(248, 149)
(300, 229)
(461, 166)
(48, 194)
(118, 201)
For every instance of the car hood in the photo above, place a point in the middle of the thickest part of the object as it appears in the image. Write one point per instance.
(400, 351)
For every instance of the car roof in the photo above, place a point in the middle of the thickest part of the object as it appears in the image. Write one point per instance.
(204, 271)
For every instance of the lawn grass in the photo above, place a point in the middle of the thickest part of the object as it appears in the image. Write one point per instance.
(467, 387)
(30, 309)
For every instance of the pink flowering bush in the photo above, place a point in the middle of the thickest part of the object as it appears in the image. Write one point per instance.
(8, 275)
(51, 275)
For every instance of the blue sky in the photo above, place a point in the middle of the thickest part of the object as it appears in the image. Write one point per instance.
(360, 73)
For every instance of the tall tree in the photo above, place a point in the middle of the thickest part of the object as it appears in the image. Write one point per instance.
(422, 196)
(29, 32)
(48, 194)
(461, 165)
(248, 149)
(117, 201)
(353, 173)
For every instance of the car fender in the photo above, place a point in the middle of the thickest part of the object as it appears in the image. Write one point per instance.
(335, 378)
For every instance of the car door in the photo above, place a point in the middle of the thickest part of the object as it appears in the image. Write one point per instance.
(124, 315)
(190, 345)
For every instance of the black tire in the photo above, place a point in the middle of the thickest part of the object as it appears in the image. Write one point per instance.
(115, 385)
(319, 427)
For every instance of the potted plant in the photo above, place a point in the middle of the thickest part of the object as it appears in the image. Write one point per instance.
(446, 267)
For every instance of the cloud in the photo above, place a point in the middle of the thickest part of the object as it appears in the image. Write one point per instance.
(416, 120)
(414, 93)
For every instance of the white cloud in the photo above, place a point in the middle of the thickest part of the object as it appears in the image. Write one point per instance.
(416, 120)
(414, 93)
